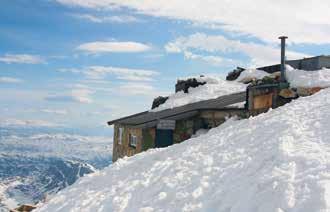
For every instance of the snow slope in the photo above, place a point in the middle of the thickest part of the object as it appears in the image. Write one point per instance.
(276, 162)
(214, 87)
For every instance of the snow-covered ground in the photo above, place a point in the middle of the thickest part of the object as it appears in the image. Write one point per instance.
(278, 161)
(6, 202)
(214, 87)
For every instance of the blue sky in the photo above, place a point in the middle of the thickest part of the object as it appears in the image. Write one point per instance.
(78, 64)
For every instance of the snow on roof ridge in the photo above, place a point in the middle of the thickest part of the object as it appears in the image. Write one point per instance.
(214, 88)
(309, 79)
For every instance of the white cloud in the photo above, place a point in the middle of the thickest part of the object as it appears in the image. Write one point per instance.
(10, 80)
(211, 59)
(95, 74)
(57, 112)
(113, 47)
(76, 95)
(153, 56)
(82, 95)
(26, 123)
(304, 21)
(139, 89)
(136, 89)
(70, 70)
(21, 58)
(258, 53)
(100, 72)
(108, 19)
(99, 4)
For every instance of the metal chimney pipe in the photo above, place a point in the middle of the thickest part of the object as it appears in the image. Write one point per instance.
(283, 38)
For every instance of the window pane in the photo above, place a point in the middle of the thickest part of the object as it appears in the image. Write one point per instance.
(120, 135)
(133, 140)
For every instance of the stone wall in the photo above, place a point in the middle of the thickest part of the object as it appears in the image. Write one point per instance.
(215, 118)
(208, 119)
(184, 129)
(124, 149)
(149, 138)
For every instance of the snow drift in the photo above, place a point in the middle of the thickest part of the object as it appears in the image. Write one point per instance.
(308, 79)
(278, 161)
(252, 73)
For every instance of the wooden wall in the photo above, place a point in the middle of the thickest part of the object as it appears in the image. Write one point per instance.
(261, 99)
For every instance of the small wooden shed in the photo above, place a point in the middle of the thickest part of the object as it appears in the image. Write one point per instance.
(139, 132)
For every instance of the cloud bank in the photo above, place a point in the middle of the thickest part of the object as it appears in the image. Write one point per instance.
(10, 80)
(76, 95)
(21, 58)
(100, 72)
(303, 20)
(119, 19)
(212, 44)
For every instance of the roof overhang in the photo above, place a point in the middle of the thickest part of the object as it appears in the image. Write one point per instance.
(149, 119)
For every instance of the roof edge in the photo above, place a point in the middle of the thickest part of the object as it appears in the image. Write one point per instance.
(125, 117)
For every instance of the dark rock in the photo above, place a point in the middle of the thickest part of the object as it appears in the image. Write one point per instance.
(159, 101)
(184, 85)
(234, 74)
(266, 80)
(24, 208)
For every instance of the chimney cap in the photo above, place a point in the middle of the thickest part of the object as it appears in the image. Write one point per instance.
(283, 37)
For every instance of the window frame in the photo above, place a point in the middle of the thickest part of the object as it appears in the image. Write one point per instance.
(133, 140)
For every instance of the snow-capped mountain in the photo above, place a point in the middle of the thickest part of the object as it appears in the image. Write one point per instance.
(35, 163)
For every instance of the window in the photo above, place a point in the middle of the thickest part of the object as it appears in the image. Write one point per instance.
(132, 140)
(120, 135)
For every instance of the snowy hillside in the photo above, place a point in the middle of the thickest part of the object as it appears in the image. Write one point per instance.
(34, 166)
(278, 161)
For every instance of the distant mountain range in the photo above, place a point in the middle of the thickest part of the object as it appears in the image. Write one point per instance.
(38, 162)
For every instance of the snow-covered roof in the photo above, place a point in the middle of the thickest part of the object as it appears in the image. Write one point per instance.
(149, 119)
(308, 79)
(252, 73)
(218, 93)
(214, 88)
(309, 64)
